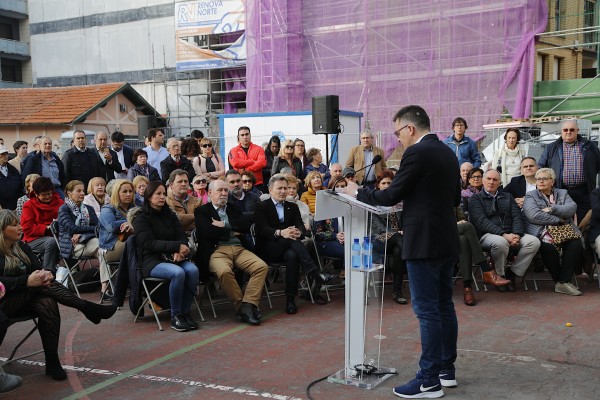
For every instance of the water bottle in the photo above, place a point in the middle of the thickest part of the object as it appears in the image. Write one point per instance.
(356, 254)
(367, 253)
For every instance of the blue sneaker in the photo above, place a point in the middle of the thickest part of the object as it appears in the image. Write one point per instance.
(420, 388)
(448, 378)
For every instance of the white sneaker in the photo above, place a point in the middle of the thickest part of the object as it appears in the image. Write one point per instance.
(566, 288)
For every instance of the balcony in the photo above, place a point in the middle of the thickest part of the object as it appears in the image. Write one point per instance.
(14, 49)
(14, 8)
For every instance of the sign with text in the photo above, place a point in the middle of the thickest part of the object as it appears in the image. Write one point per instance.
(195, 20)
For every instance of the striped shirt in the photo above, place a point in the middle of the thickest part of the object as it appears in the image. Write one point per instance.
(572, 174)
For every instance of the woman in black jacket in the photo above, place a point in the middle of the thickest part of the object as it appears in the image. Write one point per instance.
(31, 290)
(163, 253)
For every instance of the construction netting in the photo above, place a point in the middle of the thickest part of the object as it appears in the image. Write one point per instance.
(453, 57)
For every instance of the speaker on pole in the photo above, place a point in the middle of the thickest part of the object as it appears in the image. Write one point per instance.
(145, 122)
(325, 114)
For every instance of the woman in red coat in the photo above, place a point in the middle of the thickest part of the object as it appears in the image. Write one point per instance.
(38, 214)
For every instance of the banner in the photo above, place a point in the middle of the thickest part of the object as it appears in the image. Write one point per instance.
(209, 17)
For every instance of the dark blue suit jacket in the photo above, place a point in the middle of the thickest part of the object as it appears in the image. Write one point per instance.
(428, 182)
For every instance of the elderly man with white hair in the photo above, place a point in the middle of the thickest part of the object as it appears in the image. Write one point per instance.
(175, 160)
(499, 223)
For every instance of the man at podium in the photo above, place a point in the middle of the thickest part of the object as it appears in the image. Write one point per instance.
(428, 181)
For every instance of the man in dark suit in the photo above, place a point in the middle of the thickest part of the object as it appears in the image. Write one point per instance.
(279, 231)
(520, 185)
(107, 162)
(219, 225)
(175, 161)
(79, 162)
(124, 153)
(428, 181)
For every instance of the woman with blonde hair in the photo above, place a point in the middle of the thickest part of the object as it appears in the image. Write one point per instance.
(139, 186)
(286, 159)
(96, 194)
(28, 188)
(113, 221)
(313, 182)
(208, 163)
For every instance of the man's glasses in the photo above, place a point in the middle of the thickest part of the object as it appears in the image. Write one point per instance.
(199, 181)
(205, 145)
(397, 133)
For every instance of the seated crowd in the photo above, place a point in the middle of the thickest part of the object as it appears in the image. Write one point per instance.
(261, 211)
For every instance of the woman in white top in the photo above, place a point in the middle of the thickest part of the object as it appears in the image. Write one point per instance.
(96, 196)
(507, 159)
(208, 164)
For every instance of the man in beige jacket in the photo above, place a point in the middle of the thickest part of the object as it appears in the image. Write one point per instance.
(362, 155)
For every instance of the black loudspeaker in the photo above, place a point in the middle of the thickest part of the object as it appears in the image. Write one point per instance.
(325, 114)
(145, 122)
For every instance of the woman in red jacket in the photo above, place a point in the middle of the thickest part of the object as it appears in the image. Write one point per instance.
(38, 214)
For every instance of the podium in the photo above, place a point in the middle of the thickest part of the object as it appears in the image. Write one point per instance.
(363, 311)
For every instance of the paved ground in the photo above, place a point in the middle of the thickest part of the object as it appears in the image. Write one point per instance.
(511, 345)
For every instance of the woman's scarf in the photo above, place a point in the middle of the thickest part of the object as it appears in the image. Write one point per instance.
(515, 155)
(82, 215)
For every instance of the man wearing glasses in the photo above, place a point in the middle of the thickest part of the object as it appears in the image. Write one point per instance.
(247, 155)
(463, 146)
(175, 161)
(362, 155)
(576, 163)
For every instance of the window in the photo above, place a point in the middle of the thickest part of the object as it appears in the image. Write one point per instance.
(540, 69)
(11, 70)
(556, 63)
(589, 20)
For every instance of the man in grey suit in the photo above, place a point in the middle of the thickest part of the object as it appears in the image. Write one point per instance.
(428, 181)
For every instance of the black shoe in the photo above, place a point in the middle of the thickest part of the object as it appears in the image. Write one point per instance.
(246, 314)
(290, 305)
(511, 286)
(190, 321)
(97, 312)
(398, 298)
(502, 288)
(321, 278)
(54, 369)
(106, 296)
(179, 323)
(256, 312)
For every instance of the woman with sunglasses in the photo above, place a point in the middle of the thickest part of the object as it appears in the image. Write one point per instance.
(208, 164)
(287, 159)
(248, 182)
(199, 185)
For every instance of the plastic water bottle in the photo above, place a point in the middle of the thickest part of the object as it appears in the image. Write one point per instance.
(367, 253)
(356, 254)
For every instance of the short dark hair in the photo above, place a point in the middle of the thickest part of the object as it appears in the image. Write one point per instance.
(528, 158)
(231, 172)
(473, 171)
(197, 134)
(189, 145)
(42, 184)
(277, 178)
(312, 153)
(74, 133)
(243, 128)
(139, 152)
(175, 173)
(150, 189)
(152, 132)
(515, 130)
(18, 145)
(117, 137)
(415, 115)
(250, 175)
(460, 120)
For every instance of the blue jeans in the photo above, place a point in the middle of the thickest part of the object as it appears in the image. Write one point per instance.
(430, 283)
(182, 288)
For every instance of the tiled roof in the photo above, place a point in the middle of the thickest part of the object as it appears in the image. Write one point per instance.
(55, 105)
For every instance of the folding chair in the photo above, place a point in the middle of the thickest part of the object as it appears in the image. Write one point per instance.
(15, 320)
(77, 262)
(156, 284)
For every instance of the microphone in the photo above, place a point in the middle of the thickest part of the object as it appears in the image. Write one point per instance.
(376, 160)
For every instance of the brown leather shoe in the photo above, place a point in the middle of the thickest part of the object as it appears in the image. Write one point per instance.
(492, 278)
(469, 296)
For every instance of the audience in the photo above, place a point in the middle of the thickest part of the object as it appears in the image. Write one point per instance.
(363, 155)
(313, 182)
(336, 173)
(28, 188)
(245, 201)
(38, 214)
(20, 148)
(46, 163)
(199, 185)
(248, 183)
(124, 154)
(315, 159)
(178, 199)
(271, 151)
(286, 159)
(96, 196)
(107, 160)
(520, 185)
(549, 207)
(247, 155)
(142, 167)
(507, 159)
(500, 226)
(190, 148)
(31, 290)
(113, 226)
(475, 179)
(139, 183)
(155, 152)
(175, 161)
(463, 146)
(163, 253)
(79, 161)
(292, 197)
(208, 163)
(219, 226)
(464, 172)
(300, 154)
(10, 179)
